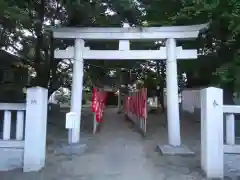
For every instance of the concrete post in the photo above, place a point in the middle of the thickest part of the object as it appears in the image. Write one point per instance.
(124, 45)
(212, 132)
(35, 129)
(77, 88)
(172, 95)
(230, 129)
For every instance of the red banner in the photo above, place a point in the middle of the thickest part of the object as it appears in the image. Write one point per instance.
(98, 103)
(137, 103)
(94, 99)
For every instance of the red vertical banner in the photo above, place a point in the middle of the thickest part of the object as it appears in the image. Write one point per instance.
(135, 103)
(94, 99)
(138, 103)
(131, 104)
(125, 105)
(145, 103)
(98, 103)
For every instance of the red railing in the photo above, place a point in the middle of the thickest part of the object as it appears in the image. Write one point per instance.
(135, 105)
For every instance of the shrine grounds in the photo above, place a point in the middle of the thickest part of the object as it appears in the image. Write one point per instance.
(120, 152)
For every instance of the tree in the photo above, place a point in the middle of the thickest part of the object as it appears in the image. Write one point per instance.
(25, 27)
(218, 45)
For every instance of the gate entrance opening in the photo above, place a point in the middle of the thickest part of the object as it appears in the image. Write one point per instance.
(170, 53)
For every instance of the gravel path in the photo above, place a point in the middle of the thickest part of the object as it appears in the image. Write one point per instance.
(118, 152)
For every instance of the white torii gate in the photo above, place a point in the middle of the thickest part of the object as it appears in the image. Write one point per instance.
(171, 53)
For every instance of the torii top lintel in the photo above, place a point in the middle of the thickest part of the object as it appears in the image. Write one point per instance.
(145, 33)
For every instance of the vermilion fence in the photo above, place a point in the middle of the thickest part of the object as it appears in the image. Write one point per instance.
(135, 105)
(98, 105)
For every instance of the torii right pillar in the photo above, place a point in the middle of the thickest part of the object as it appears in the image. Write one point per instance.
(174, 146)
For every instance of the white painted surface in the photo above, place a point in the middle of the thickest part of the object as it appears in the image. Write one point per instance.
(20, 125)
(71, 119)
(77, 87)
(156, 33)
(11, 158)
(232, 149)
(191, 99)
(231, 109)
(126, 54)
(172, 95)
(7, 125)
(212, 148)
(11, 151)
(35, 129)
(12, 144)
(13, 106)
(230, 129)
(123, 46)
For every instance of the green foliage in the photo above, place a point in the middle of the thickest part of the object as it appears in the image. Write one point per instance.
(219, 45)
(24, 23)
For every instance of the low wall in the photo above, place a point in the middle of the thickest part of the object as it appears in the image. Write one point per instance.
(11, 135)
(191, 103)
(23, 132)
(11, 156)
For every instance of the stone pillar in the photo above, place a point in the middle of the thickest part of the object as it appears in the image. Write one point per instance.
(212, 149)
(77, 88)
(172, 95)
(35, 129)
(230, 129)
(124, 45)
(174, 146)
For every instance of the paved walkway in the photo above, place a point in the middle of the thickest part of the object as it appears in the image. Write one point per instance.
(119, 153)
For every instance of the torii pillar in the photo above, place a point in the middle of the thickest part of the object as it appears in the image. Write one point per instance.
(76, 53)
(77, 88)
(174, 146)
(124, 45)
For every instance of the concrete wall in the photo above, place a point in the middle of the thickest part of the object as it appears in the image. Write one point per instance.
(191, 103)
(11, 155)
(23, 137)
(12, 135)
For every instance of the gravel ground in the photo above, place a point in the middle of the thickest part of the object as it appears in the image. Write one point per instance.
(119, 152)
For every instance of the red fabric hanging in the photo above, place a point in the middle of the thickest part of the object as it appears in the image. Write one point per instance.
(100, 105)
(94, 99)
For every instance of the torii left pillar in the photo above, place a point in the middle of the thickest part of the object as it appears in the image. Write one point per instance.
(77, 88)
(74, 146)
(124, 45)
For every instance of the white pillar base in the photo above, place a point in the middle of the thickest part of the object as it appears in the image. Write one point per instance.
(169, 150)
